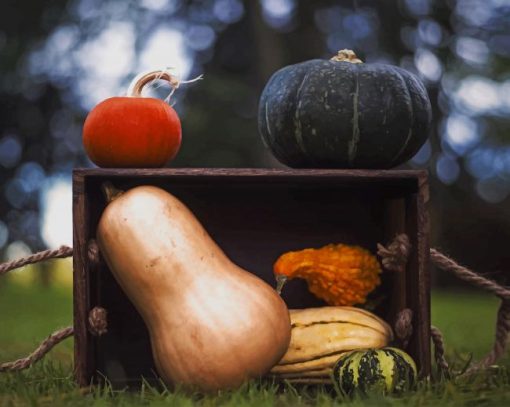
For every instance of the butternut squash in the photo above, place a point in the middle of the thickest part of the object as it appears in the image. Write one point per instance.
(212, 324)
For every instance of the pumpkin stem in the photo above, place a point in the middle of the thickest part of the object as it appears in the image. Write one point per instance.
(138, 83)
(110, 192)
(346, 55)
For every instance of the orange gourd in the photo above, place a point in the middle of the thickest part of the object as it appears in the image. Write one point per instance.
(337, 273)
(133, 131)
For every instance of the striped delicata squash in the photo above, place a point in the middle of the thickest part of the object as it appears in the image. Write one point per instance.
(320, 336)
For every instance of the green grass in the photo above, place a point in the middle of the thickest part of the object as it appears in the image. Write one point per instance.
(467, 321)
(27, 315)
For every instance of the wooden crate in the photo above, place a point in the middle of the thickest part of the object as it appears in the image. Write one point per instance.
(254, 215)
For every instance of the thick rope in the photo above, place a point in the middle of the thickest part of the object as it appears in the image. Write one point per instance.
(404, 326)
(48, 344)
(98, 322)
(395, 257)
(445, 263)
(93, 252)
(97, 326)
(437, 339)
(501, 338)
(61, 252)
(97, 316)
(503, 318)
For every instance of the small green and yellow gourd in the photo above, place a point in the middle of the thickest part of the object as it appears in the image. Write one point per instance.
(387, 370)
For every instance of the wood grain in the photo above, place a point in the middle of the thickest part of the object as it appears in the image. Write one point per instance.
(423, 275)
(254, 215)
(83, 353)
(248, 173)
(418, 280)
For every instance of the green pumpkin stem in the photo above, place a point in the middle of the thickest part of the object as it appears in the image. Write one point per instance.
(346, 55)
(280, 282)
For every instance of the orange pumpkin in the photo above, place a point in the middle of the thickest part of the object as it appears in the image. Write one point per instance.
(133, 131)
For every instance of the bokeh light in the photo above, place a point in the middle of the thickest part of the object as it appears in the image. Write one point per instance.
(89, 50)
(56, 204)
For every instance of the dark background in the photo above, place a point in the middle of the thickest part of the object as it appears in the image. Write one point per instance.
(59, 58)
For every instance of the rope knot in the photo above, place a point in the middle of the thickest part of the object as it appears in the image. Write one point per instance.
(404, 326)
(98, 322)
(395, 256)
(93, 252)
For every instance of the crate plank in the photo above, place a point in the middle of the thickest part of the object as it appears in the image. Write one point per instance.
(83, 352)
(255, 215)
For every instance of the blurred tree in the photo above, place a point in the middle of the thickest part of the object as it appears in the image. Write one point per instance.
(61, 57)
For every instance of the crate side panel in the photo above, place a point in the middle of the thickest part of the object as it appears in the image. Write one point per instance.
(418, 283)
(83, 348)
(253, 222)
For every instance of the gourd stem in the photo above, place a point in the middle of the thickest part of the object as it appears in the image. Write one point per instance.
(136, 86)
(346, 55)
(280, 282)
(109, 191)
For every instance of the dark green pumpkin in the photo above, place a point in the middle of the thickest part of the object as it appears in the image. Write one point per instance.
(344, 114)
(386, 370)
